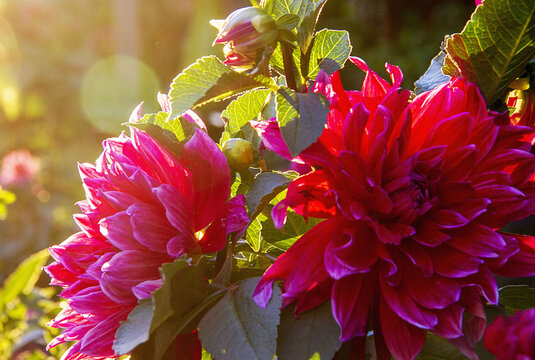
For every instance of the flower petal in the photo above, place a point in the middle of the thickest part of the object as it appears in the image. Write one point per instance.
(211, 177)
(402, 339)
(351, 300)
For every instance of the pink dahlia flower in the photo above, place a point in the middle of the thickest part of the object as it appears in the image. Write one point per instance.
(413, 193)
(144, 207)
(18, 167)
(512, 338)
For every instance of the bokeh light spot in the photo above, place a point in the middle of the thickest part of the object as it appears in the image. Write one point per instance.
(111, 89)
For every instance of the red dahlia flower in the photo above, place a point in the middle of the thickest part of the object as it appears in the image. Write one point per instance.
(144, 207)
(511, 338)
(413, 193)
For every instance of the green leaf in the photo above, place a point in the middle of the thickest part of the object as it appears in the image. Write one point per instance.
(254, 234)
(433, 77)
(295, 7)
(264, 188)
(436, 348)
(307, 27)
(208, 80)
(236, 328)
(135, 330)
(330, 51)
(23, 279)
(293, 229)
(244, 108)
(288, 21)
(277, 62)
(175, 125)
(302, 118)
(178, 305)
(315, 331)
(494, 46)
(517, 297)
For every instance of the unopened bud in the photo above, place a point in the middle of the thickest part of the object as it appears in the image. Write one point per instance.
(246, 32)
(239, 153)
(522, 104)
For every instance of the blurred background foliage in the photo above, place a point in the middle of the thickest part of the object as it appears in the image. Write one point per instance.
(72, 71)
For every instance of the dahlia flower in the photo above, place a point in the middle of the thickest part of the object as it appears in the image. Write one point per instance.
(413, 194)
(145, 206)
(511, 338)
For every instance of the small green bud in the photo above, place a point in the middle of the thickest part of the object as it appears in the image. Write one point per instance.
(239, 153)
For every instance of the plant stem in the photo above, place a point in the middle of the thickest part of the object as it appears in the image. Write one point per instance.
(289, 66)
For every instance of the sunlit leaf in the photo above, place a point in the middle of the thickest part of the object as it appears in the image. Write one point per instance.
(330, 51)
(292, 230)
(494, 47)
(23, 279)
(244, 108)
(254, 234)
(236, 328)
(208, 80)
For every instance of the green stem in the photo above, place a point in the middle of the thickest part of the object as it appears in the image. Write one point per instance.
(289, 66)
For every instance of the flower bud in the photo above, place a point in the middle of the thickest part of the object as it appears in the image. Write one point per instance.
(245, 33)
(239, 153)
(522, 103)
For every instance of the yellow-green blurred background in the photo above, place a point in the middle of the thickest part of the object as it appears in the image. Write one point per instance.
(71, 71)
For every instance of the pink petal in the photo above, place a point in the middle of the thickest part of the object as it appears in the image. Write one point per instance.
(402, 339)
(269, 132)
(179, 213)
(211, 177)
(351, 251)
(351, 301)
(118, 230)
(150, 227)
(301, 265)
(126, 270)
(163, 164)
(399, 300)
(522, 263)
(450, 262)
(450, 322)
(146, 288)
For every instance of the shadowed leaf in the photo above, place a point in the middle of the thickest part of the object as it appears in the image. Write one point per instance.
(494, 47)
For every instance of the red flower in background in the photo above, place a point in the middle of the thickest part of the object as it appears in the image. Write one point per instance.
(18, 167)
(413, 194)
(144, 207)
(511, 338)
